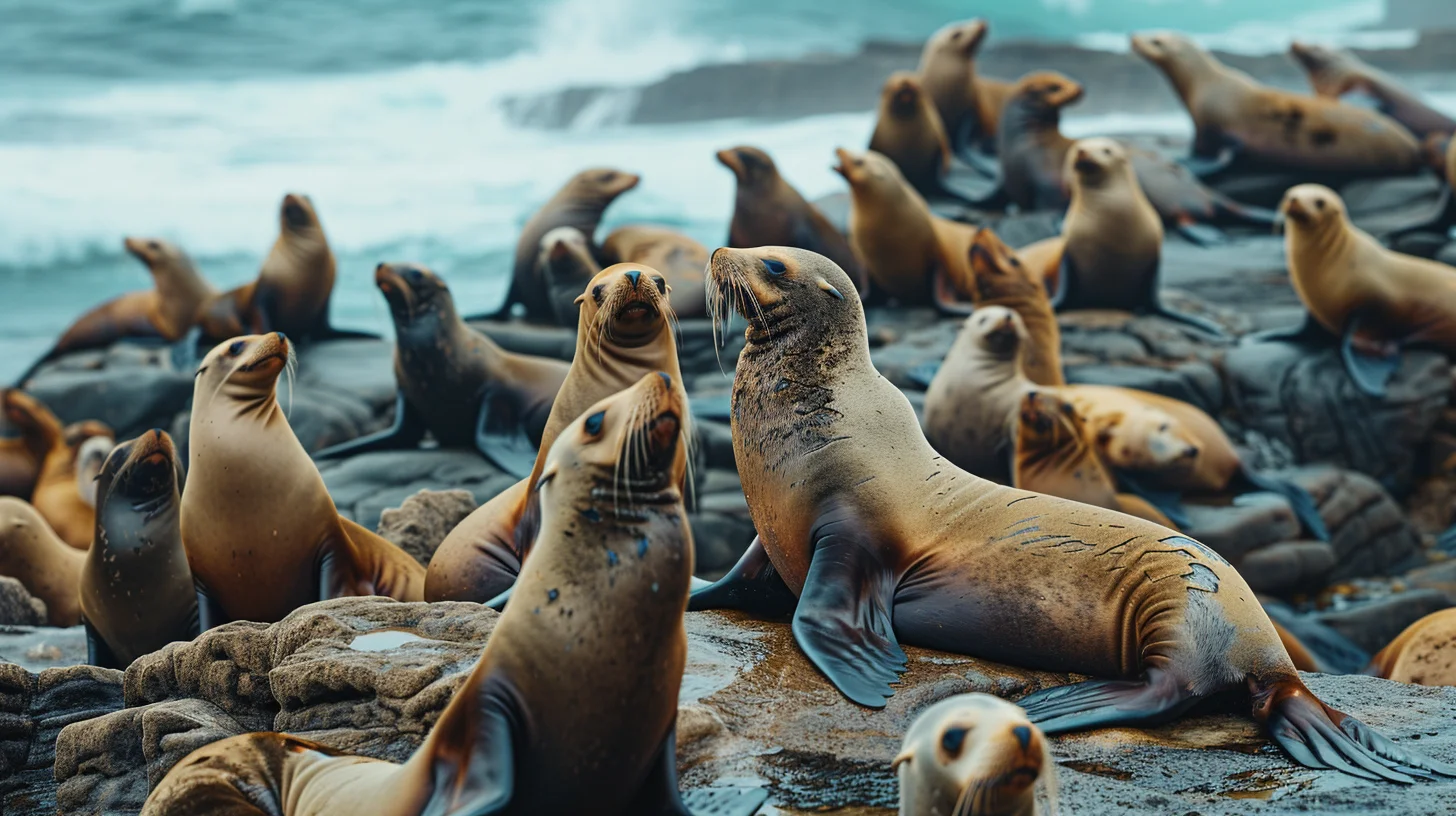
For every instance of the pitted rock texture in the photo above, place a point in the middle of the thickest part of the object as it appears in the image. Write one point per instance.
(18, 607)
(422, 522)
(34, 708)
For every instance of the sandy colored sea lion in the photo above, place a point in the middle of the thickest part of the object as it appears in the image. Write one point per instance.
(262, 534)
(1238, 120)
(1000, 279)
(580, 203)
(667, 253)
(57, 494)
(1423, 654)
(564, 265)
(970, 406)
(874, 538)
(1335, 72)
(768, 210)
(625, 331)
(969, 104)
(974, 755)
(454, 382)
(136, 589)
(31, 553)
(909, 133)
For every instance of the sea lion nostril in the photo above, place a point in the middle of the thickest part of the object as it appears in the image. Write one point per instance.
(634, 275)
(1023, 736)
(667, 378)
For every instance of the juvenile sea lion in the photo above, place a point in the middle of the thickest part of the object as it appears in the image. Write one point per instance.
(262, 534)
(1238, 120)
(136, 589)
(909, 133)
(455, 382)
(1423, 654)
(670, 255)
(572, 706)
(1374, 300)
(57, 494)
(1334, 73)
(873, 538)
(564, 265)
(31, 553)
(625, 331)
(578, 204)
(1000, 279)
(970, 406)
(974, 755)
(768, 210)
(969, 104)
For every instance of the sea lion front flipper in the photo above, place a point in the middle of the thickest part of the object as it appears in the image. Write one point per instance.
(500, 433)
(1167, 502)
(472, 760)
(843, 621)
(1371, 373)
(498, 603)
(97, 652)
(752, 586)
(406, 432)
(328, 332)
(1299, 499)
(944, 293)
(1155, 306)
(209, 612)
(1157, 697)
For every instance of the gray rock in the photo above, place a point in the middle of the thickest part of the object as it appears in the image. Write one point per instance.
(366, 485)
(1373, 624)
(361, 368)
(422, 522)
(18, 607)
(1369, 533)
(1288, 566)
(33, 710)
(1253, 521)
(129, 398)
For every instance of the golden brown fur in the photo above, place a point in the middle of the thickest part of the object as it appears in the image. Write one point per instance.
(31, 553)
(909, 133)
(675, 256)
(57, 496)
(948, 73)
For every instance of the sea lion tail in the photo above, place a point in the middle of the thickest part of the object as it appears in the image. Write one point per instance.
(1317, 736)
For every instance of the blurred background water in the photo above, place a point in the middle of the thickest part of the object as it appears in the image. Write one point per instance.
(189, 119)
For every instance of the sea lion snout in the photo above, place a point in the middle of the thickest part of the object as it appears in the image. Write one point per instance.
(297, 212)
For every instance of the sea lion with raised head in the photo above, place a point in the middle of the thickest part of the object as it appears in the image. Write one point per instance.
(625, 331)
(57, 495)
(572, 706)
(999, 278)
(89, 459)
(454, 382)
(970, 406)
(909, 133)
(263, 536)
(974, 755)
(969, 104)
(20, 458)
(1238, 121)
(580, 203)
(1335, 73)
(873, 539)
(136, 589)
(31, 553)
(767, 210)
(564, 266)
(667, 254)
(1423, 654)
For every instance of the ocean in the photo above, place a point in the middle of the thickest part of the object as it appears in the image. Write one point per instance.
(189, 120)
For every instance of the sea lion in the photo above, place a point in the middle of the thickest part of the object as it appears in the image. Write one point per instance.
(578, 204)
(89, 459)
(57, 495)
(564, 266)
(20, 458)
(1335, 72)
(894, 234)
(262, 534)
(1054, 457)
(163, 313)
(1423, 654)
(768, 210)
(873, 538)
(455, 382)
(572, 706)
(969, 104)
(670, 254)
(31, 553)
(974, 755)
(970, 406)
(1237, 120)
(625, 330)
(1369, 300)
(909, 133)
(999, 278)
(136, 589)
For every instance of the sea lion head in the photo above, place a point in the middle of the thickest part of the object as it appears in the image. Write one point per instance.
(626, 449)
(751, 166)
(997, 332)
(1048, 421)
(902, 95)
(600, 184)
(144, 475)
(973, 753)
(1165, 49)
(562, 244)
(1095, 163)
(244, 368)
(1148, 439)
(412, 292)
(296, 216)
(998, 270)
(780, 291)
(30, 416)
(1312, 209)
(161, 257)
(868, 170)
(1047, 91)
(626, 305)
(962, 38)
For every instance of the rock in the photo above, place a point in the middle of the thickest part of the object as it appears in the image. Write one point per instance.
(1338, 654)
(1288, 566)
(1373, 624)
(33, 710)
(422, 522)
(366, 485)
(1195, 382)
(1369, 532)
(18, 607)
(363, 369)
(1440, 576)
(1254, 520)
(1303, 398)
(129, 398)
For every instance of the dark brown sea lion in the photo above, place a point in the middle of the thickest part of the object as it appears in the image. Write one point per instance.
(57, 495)
(666, 253)
(969, 104)
(909, 133)
(872, 538)
(31, 553)
(564, 265)
(1334, 73)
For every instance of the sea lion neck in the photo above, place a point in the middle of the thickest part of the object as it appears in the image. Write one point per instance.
(1026, 116)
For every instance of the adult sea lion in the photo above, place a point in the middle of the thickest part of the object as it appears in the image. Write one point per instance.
(625, 331)
(974, 755)
(969, 104)
(57, 494)
(768, 210)
(165, 312)
(873, 538)
(564, 265)
(31, 553)
(20, 458)
(909, 133)
(572, 706)
(578, 204)
(1238, 120)
(455, 382)
(262, 534)
(670, 255)
(1335, 72)
(136, 589)
(971, 402)
(1423, 654)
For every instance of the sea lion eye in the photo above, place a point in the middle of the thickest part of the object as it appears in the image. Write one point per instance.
(775, 268)
(1319, 203)
(661, 283)
(597, 292)
(414, 275)
(1163, 428)
(593, 423)
(609, 177)
(153, 245)
(237, 347)
(952, 741)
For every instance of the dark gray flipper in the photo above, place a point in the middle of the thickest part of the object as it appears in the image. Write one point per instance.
(1205, 166)
(498, 603)
(1305, 509)
(1158, 697)
(210, 614)
(1308, 332)
(500, 433)
(843, 622)
(184, 352)
(406, 432)
(1200, 234)
(752, 586)
(97, 652)
(1246, 213)
(1168, 502)
(328, 332)
(1370, 373)
(475, 769)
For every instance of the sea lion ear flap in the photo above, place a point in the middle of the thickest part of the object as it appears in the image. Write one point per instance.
(580, 299)
(470, 753)
(903, 757)
(829, 287)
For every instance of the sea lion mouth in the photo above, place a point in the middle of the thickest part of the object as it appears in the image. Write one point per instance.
(842, 167)
(295, 214)
(138, 249)
(637, 310)
(401, 297)
(731, 160)
(1086, 165)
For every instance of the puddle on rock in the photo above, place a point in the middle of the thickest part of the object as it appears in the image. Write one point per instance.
(385, 639)
(1097, 768)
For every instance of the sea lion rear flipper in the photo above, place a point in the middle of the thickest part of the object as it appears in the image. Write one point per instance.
(1204, 166)
(1371, 373)
(500, 433)
(472, 760)
(1157, 697)
(1299, 499)
(1155, 306)
(752, 586)
(209, 612)
(97, 652)
(1167, 502)
(843, 622)
(1065, 293)
(498, 603)
(944, 293)
(1309, 332)
(1200, 234)
(406, 432)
